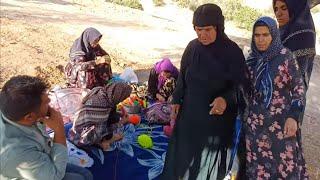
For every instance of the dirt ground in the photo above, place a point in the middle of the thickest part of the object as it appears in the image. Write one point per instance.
(36, 37)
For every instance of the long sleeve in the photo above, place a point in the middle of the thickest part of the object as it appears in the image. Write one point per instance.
(152, 83)
(178, 93)
(303, 47)
(237, 66)
(99, 51)
(113, 121)
(297, 90)
(84, 65)
(306, 66)
(34, 164)
(230, 94)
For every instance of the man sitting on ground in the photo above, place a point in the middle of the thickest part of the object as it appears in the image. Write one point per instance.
(26, 150)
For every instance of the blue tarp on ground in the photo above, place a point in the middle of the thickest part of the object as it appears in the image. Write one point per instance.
(127, 160)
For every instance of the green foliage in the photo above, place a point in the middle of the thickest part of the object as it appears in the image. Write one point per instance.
(316, 9)
(135, 4)
(184, 3)
(243, 16)
(158, 2)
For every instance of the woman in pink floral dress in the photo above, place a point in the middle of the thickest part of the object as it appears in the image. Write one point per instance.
(273, 134)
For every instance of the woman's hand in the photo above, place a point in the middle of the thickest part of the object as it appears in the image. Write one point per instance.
(160, 98)
(100, 60)
(290, 128)
(124, 119)
(218, 105)
(103, 60)
(107, 59)
(174, 111)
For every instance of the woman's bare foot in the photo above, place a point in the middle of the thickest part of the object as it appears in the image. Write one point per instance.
(106, 144)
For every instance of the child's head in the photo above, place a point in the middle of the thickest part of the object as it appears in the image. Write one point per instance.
(102, 72)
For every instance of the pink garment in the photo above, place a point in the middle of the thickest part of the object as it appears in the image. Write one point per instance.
(168, 129)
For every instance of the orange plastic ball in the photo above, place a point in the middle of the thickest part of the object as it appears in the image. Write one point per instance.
(134, 119)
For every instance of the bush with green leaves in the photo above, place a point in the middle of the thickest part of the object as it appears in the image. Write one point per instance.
(158, 2)
(184, 3)
(316, 9)
(233, 10)
(135, 4)
(244, 17)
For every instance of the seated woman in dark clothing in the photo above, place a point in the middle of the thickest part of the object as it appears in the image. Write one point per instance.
(97, 119)
(162, 80)
(81, 71)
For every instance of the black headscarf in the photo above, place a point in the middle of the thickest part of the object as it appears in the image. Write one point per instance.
(299, 33)
(224, 49)
(81, 46)
(210, 15)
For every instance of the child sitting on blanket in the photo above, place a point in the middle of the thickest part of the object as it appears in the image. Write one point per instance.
(97, 119)
(162, 80)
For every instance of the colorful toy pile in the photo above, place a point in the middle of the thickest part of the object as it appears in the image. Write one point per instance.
(133, 104)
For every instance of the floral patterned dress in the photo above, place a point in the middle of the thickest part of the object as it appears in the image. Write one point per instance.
(82, 71)
(269, 154)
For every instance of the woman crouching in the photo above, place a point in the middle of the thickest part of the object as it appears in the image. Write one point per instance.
(97, 118)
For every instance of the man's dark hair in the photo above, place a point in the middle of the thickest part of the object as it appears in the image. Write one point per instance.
(21, 95)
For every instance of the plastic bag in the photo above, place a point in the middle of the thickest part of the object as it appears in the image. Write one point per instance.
(67, 101)
(129, 75)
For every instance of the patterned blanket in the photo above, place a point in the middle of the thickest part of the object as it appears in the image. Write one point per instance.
(127, 159)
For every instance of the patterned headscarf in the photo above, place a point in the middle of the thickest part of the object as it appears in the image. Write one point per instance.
(81, 46)
(107, 96)
(91, 121)
(260, 60)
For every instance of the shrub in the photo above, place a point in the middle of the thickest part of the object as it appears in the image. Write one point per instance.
(135, 4)
(183, 3)
(316, 9)
(158, 2)
(243, 16)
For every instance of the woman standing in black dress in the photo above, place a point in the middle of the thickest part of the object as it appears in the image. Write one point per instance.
(204, 101)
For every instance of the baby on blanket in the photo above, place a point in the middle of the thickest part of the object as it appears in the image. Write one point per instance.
(96, 120)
